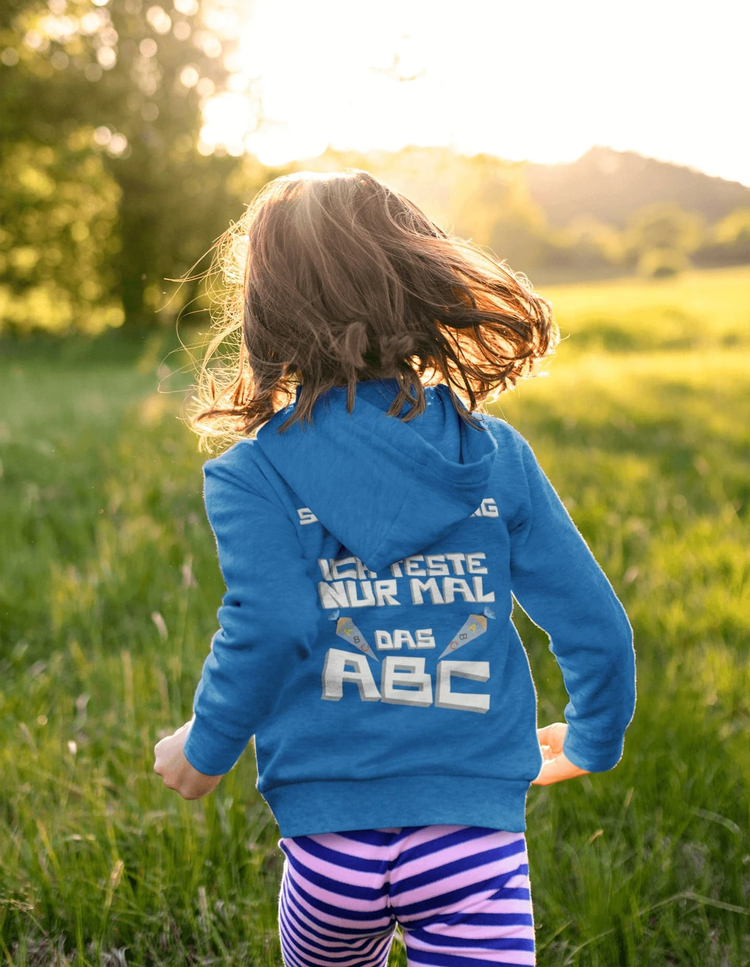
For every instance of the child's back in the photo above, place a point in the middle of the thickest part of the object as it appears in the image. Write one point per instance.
(372, 570)
(370, 559)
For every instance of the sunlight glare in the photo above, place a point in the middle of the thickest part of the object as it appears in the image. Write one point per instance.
(481, 77)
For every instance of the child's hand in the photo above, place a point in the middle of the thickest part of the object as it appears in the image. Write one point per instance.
(556, 766)
(178, 774)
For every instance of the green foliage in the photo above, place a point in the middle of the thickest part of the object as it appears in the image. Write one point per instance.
(735, 229)
(100, 133)
(659, 263)
(109, 587)
(122, 86)
(728, 242)
(62, 205)
(584, 246)
(667, 226)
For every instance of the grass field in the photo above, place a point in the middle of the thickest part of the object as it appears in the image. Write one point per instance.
(109, 587)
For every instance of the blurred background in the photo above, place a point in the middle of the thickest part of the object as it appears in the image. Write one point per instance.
(594, 144)
(599, 149)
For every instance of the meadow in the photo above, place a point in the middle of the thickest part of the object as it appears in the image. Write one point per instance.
(109, 587)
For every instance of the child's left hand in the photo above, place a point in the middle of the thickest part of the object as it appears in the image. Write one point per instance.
(178, 774)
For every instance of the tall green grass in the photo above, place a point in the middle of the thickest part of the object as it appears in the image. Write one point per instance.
(109, 587)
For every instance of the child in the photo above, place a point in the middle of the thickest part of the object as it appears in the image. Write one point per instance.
(370, 530)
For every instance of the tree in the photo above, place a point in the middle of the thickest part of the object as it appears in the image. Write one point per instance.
(125, 84)
(663, 226)
(591, 243)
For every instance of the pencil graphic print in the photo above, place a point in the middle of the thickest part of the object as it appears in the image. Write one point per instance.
(474, 626)
(346, 629)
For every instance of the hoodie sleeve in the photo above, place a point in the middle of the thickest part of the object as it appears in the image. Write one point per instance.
(558, 583)
(268, 620)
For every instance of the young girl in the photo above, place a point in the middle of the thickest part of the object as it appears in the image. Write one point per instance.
(371, 529)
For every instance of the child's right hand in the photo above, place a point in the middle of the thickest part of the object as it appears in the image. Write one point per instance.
(556, 766)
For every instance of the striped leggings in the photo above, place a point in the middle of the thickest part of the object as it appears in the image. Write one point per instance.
(461, 895)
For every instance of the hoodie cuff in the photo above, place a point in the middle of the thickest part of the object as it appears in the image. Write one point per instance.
(589, 755)
(210, 752)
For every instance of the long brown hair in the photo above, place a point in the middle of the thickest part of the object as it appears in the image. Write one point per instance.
(331, 278)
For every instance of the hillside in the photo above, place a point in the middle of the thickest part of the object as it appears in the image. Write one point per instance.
(610, 184)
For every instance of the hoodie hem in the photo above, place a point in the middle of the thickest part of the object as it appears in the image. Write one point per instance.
(331, 806)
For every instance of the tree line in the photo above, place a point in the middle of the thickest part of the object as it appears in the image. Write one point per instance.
(108, 197)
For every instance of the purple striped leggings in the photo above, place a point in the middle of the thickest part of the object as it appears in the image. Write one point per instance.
(461, 895)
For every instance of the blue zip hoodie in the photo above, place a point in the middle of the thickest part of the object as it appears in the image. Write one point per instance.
(365, 637)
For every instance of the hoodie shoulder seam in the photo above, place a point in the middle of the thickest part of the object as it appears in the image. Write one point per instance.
(518, 441)
(227, 465)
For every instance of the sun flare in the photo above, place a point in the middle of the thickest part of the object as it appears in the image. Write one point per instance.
(522, 81)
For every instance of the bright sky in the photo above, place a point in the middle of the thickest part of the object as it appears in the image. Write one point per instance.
(533, 79)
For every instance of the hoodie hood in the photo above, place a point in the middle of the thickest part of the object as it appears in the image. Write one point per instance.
(384, 488)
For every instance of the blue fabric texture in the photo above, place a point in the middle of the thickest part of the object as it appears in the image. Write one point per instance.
(365, 639)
